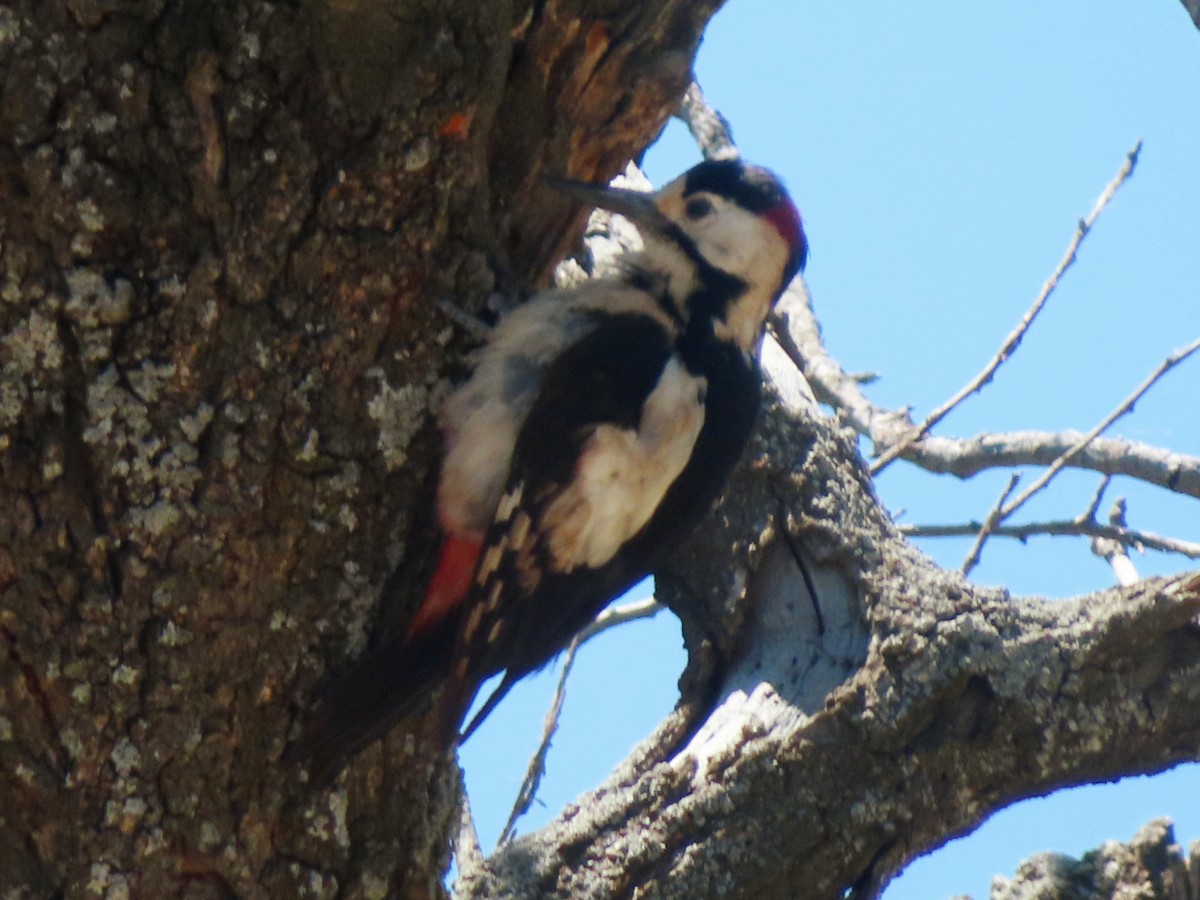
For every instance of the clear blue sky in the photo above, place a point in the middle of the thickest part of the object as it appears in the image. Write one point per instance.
(941, 154)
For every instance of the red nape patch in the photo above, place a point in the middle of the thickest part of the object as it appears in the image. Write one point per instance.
(786, 220)
(449, 583)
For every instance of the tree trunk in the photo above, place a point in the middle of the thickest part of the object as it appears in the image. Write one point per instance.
(224, 228)
(225, 232)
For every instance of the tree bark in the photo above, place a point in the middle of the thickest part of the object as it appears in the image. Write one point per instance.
(1150, 867)
(224, 228)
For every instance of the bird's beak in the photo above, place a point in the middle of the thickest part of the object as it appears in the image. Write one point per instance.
(638, 207)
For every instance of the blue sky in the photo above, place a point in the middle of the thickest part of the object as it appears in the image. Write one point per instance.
(941, 155)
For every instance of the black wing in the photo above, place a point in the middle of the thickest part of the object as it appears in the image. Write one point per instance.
(528, 602)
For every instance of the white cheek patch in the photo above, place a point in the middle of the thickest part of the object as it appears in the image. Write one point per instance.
(731, 239)
(762, 269)
(622, 474)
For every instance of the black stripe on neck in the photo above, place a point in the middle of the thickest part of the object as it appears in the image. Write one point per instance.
(715, 289)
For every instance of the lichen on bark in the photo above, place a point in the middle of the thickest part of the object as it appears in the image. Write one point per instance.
(225, 231)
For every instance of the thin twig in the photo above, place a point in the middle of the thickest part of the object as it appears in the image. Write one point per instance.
(619, 615)
(537, 764)
(1014, 338)
(609, 618)
(1061, 528)
(1089, 514)
(1125, 407)
(989, 524)
(1006, 509)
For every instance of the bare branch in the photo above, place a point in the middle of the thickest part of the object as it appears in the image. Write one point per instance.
(1006, 509)
(537, 764)
(799, 335)
(710, 129)
(619, 615)
(796, 329)
(1090, 513)
(989, 525)
(1125, 407)
(1127, 537)
(609, 618)
(1014, 338)
(968, 456)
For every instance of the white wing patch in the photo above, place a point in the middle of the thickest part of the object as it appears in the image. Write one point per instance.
(483, 417)
(622, 474)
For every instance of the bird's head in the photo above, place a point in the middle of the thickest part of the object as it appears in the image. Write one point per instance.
(725, 236)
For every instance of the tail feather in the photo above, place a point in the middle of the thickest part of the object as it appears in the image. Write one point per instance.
(390, 683)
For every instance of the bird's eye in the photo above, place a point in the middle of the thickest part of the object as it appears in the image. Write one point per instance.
(697, 208)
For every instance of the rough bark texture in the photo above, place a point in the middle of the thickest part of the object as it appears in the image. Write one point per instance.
(1150, 867)
(223, 227)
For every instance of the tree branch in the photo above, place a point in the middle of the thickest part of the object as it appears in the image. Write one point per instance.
(709, 128)
(1014, 338)
(537, 763)
(968, 456)
(798, 332)
(1122, 409)
(799, 335)
(608, 619)
(1150, 865)
(993, 519)
(1006, 508)
(1126, 537)
(645, 608)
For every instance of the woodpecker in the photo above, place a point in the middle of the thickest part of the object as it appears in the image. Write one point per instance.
(599, 425)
